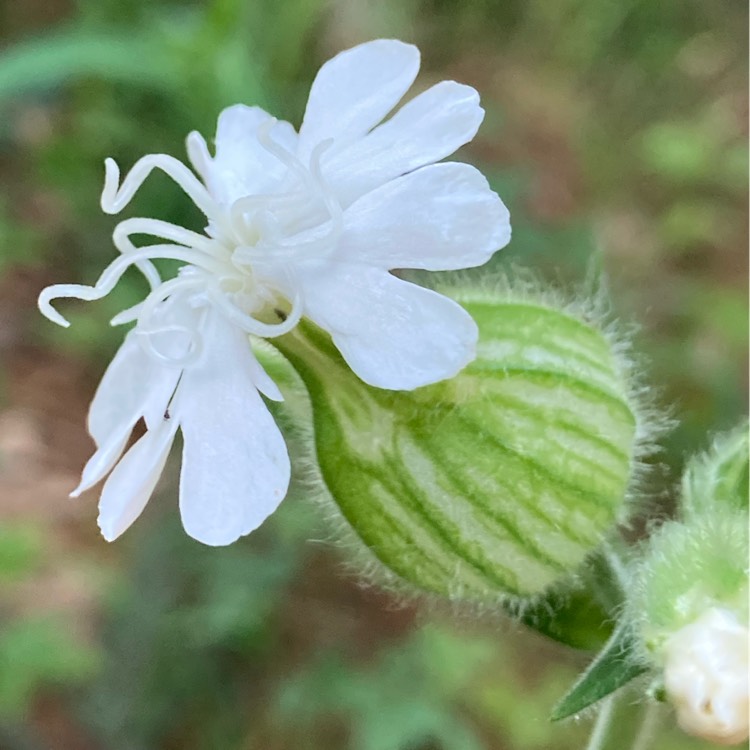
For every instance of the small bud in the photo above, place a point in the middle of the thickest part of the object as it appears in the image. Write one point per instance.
(706, 677)
(687, 569)
(688, 596)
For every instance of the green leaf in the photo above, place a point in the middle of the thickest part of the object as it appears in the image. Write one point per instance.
(50, 61)
(612, 669)
(499, 481)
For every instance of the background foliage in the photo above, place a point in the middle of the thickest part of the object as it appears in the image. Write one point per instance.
(616, 133)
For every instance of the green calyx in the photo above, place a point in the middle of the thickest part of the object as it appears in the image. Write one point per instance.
(498, 482)
(687, 569)
(718, 479)
(699, 561)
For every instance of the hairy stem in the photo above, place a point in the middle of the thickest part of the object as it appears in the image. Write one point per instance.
(647, 729)
(601, 725)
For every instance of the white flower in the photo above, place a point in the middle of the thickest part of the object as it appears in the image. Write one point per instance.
(307, 223)
(706, 677)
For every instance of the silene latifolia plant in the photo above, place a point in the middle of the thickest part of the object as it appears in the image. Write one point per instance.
(481, 442)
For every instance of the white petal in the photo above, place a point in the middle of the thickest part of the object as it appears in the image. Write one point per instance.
(242, 166)
(441, 217)
(425, 130)
(176, 325)
(120, 394)
(355, 90)
(133, 480)
(101, 463)
(262, 380)
(393, 334)
(235, 466)
(134, 385)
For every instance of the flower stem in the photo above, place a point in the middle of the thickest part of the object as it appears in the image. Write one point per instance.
(647, 729)
(601, 725)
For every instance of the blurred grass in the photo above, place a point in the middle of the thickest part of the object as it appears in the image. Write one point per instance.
(616, 133)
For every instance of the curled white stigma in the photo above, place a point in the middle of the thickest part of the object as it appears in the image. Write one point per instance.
(304, 221)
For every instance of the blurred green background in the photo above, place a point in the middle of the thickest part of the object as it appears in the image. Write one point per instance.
(615, 131)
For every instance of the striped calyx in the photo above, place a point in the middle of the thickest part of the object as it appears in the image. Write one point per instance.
(497, 482)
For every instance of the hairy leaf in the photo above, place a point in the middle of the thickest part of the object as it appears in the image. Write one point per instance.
(612, 669)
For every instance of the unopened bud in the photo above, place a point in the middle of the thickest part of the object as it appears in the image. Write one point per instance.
(706, 677)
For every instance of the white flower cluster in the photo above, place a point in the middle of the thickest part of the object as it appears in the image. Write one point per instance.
(298, 224)
(706, 677)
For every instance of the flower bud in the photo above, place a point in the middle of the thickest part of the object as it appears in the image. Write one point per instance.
(687, 569)
(497, 482)
(688, 596)
(706, 677)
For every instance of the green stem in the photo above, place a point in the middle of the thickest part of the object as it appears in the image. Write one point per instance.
(647, 729)
(601, 725)
(618, 567)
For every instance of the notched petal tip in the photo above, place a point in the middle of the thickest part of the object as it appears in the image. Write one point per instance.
(354, 90)
(462, 95)
(108, 532)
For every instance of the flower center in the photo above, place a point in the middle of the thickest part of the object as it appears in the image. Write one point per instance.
(245, 263)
